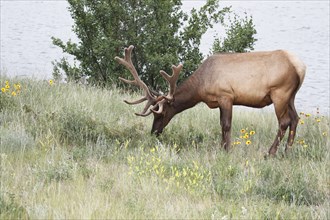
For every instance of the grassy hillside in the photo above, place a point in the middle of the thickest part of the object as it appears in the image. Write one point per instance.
(70, 151)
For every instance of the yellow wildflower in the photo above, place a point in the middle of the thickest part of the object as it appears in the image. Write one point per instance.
(3, 89)
(13, 93)
(301, 122)
(318, 120)
(51, 82)
(324, 133)
(17, 86)
(243, 130)
(7, 86)
(248, 142)
(307, 115)
(252, 132)
(236, 143)
(246, 136)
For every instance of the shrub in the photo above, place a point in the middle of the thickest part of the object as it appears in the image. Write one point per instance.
(162, 33)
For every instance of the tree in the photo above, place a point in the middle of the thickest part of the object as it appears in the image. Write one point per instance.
(161, 32)
(239, 36)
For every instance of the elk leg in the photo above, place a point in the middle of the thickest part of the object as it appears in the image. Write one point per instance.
(284, 122)
(225, 122)
(293, 125)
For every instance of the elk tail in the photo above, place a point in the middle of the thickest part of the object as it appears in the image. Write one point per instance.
(300, 67)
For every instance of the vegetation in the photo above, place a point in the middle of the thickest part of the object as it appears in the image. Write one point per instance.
(239, 37)
(70, 151)
(162, 33)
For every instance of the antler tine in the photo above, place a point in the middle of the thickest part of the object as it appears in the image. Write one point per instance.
(160, 105)
(145, 113)
(127, 62)
(172, 79)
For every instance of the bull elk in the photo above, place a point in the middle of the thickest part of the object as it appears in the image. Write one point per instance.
(255, 79)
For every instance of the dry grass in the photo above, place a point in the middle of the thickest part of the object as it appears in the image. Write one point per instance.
(70, 151)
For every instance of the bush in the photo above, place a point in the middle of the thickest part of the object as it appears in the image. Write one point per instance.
(162, 33)
(239, 37)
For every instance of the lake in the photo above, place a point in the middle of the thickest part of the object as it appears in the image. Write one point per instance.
(299, 26)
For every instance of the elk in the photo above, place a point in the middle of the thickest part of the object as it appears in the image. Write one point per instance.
(255, 79)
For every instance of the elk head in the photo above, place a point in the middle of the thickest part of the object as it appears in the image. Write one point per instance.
(160, 105)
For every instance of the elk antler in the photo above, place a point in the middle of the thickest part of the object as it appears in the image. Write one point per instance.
(153, 98)
(127, 62)
(172, 81)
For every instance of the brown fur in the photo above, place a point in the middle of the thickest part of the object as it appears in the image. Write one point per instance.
(255, 79)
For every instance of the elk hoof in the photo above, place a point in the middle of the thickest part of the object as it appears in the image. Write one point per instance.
(269, 155)
(288, 150)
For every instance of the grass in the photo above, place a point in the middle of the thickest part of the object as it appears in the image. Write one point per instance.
(71, 151)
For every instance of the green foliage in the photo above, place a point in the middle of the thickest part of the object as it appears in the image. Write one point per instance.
(8, 90)
(9, 209)
(293, 186)
(161, 32)
(6, 102)
(55, 171)
(239, 37)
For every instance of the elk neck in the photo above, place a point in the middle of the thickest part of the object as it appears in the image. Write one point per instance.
(187, 95)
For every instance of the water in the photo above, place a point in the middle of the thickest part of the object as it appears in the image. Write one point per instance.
(301, 27)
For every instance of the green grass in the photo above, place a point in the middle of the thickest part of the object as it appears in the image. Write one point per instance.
(71, 151)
